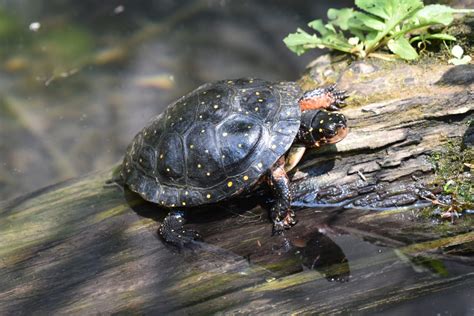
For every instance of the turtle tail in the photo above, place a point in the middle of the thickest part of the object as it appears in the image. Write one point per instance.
(116, 179)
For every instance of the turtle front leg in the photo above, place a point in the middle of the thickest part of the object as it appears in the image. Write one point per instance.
(173, 232)
(328, 98)
(281, 214)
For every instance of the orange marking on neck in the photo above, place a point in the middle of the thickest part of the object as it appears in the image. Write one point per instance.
(321, 102)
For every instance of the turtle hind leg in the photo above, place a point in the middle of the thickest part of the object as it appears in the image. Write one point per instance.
(173, 232)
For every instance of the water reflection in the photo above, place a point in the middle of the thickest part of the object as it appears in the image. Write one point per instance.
(294, 251)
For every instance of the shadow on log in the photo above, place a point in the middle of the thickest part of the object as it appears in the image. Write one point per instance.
(80, 248)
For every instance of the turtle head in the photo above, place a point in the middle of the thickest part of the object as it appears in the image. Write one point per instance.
(321, 127)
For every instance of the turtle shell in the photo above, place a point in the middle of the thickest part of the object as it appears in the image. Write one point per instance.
(213, 143)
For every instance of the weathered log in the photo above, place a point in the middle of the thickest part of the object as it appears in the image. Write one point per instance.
(79, 247)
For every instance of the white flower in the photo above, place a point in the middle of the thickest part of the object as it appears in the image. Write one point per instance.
(457, 51)
(353, 41)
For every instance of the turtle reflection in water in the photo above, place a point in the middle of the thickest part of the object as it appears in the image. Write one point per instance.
(225, 138)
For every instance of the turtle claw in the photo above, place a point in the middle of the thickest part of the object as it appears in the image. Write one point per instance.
(338, 97)
(281, 225)
(330, 88)
(333, 107)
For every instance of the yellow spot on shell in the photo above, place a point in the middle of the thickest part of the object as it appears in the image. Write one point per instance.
(224, 134)
(320, 130)
(256, 109)
(186, 192)
(257, 93)
(229, 184)
(183, 203)
(168, 169)
(161, 156)
(191, 146)
(216, 106)
(208, 174)
(321, 122)
(208, 196)
(260, 100)
(260, 165)
(240, 145)
(246, 178)
(199, 165)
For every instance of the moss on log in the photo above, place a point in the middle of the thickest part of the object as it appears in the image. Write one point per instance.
(80, 248)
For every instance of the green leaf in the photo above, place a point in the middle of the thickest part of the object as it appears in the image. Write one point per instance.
(433, 14)
(438, 36)
(375, 7)
(301, 41)
(331, 28)
(402, 48)
(393, 12)
(341, 17)
(318, 25)
(370, 22)
(389, 9)
(330, 37)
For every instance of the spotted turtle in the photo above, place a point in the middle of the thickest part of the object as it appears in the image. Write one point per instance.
(224, 138)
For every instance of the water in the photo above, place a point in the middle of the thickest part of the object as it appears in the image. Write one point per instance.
(79, 79)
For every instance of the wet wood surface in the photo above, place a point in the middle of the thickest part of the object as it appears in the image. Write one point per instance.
(80, 247)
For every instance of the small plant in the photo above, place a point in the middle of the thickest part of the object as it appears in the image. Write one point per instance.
(453, 176)
(395, 24)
